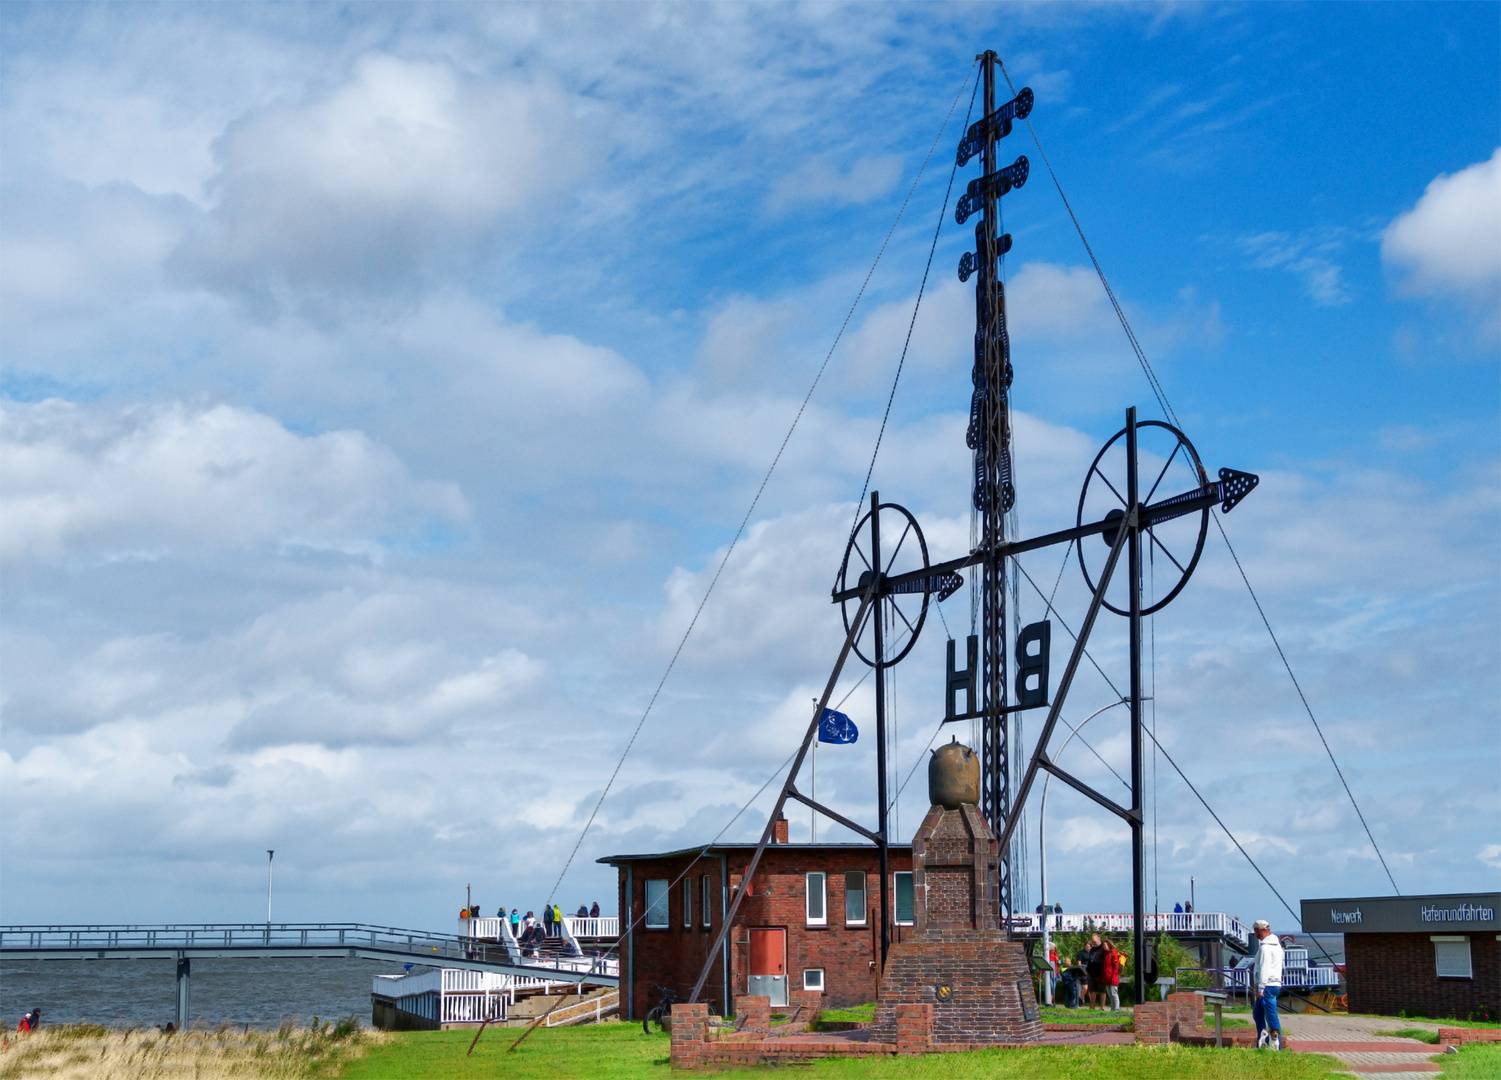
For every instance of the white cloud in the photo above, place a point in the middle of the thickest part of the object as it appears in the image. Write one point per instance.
(361, 188)
(1309, 255)
(1449, 243)
(820, 180)
(149, 480)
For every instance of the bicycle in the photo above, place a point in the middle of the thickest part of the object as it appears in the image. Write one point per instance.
(662, 1013)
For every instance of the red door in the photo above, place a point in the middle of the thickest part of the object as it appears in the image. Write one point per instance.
(768, 964)
(768, 952)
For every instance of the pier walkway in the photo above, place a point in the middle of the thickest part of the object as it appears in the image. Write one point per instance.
(186, 942)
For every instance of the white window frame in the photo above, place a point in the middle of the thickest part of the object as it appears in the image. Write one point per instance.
(1454, 945)
(708, 916)
(809, 985)
(897, 921)
(864, 901)
(658, 917)
(687, 902)
(821, 890)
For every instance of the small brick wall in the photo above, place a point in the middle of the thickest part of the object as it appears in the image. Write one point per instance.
(1389, 973)
(1180, 1019)
(1460, 1036)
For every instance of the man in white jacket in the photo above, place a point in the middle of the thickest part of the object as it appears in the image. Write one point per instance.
(1266, 985)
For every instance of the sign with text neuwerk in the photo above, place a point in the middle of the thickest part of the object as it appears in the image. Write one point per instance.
(1447, 913)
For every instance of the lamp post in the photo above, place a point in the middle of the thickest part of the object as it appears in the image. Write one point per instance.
(270, 856)
(1042, 844)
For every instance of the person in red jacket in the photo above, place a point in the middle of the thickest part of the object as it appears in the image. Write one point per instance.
(1114, 962)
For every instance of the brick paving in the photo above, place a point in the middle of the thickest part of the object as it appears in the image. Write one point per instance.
(1353, 1040)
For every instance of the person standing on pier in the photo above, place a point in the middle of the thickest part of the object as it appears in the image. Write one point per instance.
(1267, 984)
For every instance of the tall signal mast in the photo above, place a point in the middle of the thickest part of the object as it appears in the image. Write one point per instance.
(989, 437)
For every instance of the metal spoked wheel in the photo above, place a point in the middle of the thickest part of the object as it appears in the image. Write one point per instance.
(1167, 466)
(903, 550)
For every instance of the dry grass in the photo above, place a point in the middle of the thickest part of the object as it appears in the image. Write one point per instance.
(79, 1051)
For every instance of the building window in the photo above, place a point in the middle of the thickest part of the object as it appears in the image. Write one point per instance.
(854, 898)
(708, 901)
(687, 903)
(1451, 955)
(813, 979)
(656, 904)
(901, 883)
(818, 909)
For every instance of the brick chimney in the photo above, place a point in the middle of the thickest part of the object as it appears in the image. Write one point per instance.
(779, 835)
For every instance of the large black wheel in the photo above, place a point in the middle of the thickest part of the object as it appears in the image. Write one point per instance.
(1167, 466)
(903, 549)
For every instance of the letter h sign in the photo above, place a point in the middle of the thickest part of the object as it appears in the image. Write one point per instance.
(962, 681)
(1031, 672)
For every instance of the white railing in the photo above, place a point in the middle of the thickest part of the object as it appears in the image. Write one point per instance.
(396, 986)
(462, 1008)
(1207, 922)
(592, 927)
(590, 1009)
(1311, 976)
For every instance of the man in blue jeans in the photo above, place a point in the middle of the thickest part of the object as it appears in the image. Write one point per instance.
(1266, 984)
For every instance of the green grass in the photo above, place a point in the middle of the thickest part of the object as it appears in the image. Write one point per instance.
(1478, 1061)
(1053, 1014)
(619, 1051)
(1421, 1034)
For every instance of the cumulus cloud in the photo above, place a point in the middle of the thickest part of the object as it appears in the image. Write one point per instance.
(361, 188)
(152, 479)
(1449, 243)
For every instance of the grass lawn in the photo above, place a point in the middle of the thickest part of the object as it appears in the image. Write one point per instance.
(1478, 1061)
(619, 1051)
(1421, 1034)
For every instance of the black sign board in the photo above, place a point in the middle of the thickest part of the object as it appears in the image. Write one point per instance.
(1448, 913)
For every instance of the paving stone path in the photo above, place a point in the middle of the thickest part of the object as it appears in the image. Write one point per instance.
(1353, 1040)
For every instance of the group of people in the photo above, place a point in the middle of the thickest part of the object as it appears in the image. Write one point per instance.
(530, 931)
(1094, 978)
(31, 1021)
(1186, 907)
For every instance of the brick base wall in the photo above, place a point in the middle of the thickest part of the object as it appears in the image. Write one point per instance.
(1389, 973)
(987, 979)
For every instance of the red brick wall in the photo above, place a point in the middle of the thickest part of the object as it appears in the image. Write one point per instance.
(675, 956)
(1387, 973)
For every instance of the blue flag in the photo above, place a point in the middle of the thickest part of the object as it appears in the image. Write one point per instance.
(835, 727)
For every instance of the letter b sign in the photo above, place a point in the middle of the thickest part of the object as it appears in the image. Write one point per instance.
(1032, 665)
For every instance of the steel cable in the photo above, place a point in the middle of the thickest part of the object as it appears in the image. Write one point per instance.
(739, 532)
(1167, 410)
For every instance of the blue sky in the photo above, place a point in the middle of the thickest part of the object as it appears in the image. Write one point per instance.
(382, 386)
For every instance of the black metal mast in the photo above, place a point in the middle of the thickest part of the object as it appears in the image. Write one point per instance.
(994, 495)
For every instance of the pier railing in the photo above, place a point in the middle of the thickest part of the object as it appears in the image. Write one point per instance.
(599, 927)
(98, 941)
(1207, 923)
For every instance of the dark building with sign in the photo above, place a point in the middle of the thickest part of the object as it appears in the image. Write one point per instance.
(1434, 956)
(810, 922)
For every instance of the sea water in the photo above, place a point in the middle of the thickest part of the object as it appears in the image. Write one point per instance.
(139, 993)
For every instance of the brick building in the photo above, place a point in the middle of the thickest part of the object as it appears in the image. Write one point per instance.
(810, 921)
(1435, 956)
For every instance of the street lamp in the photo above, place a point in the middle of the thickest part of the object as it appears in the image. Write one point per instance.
(270, 855)
(1042, 843)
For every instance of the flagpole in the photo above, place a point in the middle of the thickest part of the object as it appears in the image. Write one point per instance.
(813, 814)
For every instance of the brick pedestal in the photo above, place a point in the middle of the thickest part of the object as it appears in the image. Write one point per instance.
(754, 1011)
(690, 1034)
(957, 962)
(914, 1029)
